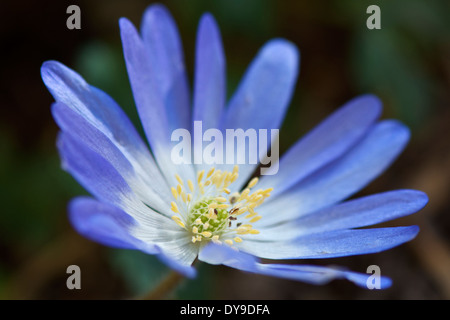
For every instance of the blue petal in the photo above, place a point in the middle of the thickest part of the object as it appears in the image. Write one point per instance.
(96, 107)
(93, 172)
(165, 54)
(111, 226)
(332, 244)
(150, 104)
(210, 84)
(185, 269)
(356, 213)
(100, 178)
(263, 95)
(94, 110)
(319, 275)
(105, 224)
(325, 143)
(363, 212)
(138, 178)
(342, 178)
(218, 254)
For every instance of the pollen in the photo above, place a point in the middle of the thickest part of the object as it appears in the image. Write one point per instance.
(209, 211)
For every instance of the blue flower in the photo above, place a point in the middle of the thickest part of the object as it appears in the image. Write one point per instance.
(144, 201)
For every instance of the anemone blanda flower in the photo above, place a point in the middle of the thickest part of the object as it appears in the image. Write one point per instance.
(144, 201)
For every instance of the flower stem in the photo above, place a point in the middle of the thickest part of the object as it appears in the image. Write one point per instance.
(166, 286)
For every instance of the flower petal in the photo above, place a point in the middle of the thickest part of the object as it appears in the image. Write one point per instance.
(102, 112)
(100, 178)
(210, 82)
(319, 275)
(93, 172)
(262, 97)
(150, 104)
(105, 224)
(140, 181)
(332, 244)
(219, 254)
(165, 54)
(325, 143)
(340, 179)
(111, 226)
(361, 212)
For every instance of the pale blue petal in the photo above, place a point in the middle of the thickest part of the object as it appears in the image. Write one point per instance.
(318, 275)
(139, 180)
(165, 53)
(220, 254)
(210, 81)
(185, 269)
(100, 178)
(113, 227)
(102, 112)
(332, 244)
(340, 179)
(93, 172)
(262, 98)
(151, 107)
(325, 143)
(361, 212)
(105, 224)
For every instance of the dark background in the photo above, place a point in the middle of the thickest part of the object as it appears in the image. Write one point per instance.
(406, 63)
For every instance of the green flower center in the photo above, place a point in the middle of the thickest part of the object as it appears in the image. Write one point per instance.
(208, 211)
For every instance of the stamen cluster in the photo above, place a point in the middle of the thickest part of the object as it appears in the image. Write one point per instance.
(209, 212)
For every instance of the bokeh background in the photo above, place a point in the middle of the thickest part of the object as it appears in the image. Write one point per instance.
(406, 63)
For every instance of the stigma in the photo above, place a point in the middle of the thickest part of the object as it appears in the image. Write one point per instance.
(208, 211)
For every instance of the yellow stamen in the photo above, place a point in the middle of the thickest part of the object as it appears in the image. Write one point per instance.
(200, 176)
(241, 211)
(255, 219)
(183, 196)
(244, 194)
(190, 185)
(213, 210)
(206, 234)
(180, 181)
(216, 240)
(213, 205)
(178, 221)
(174, 192)
(210, 172)
(252, 183)
(251, 215)
(174, 207)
